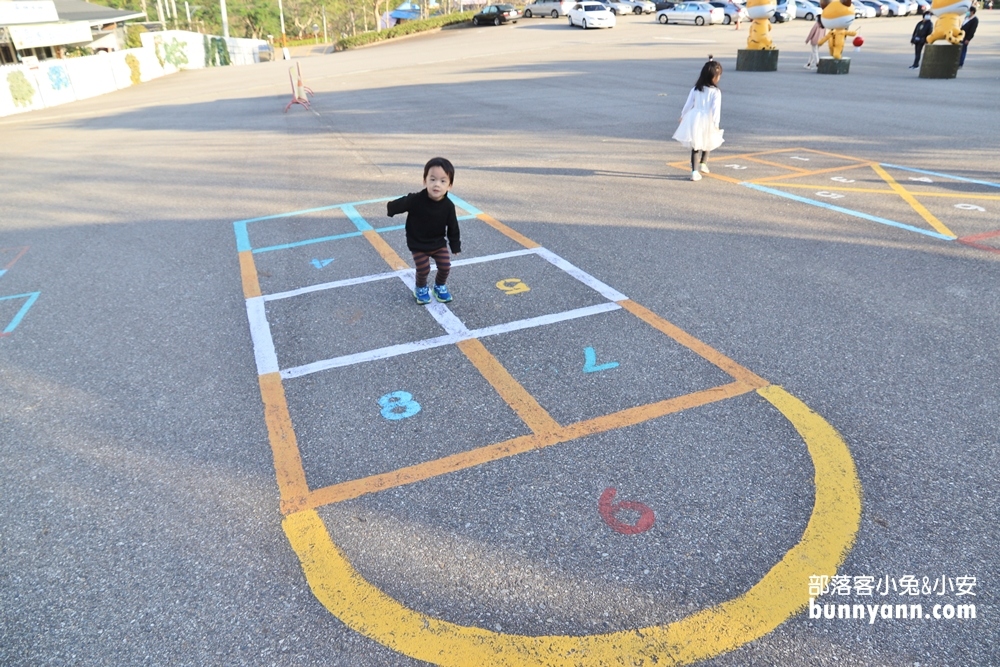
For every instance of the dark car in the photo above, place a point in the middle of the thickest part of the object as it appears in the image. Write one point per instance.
(496, 14)
(665, 4)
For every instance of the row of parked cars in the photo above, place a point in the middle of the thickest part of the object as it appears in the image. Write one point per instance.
(602, 13)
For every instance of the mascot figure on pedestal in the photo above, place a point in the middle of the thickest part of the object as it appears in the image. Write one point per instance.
(949, 23)
(837, 18)
(760, 12)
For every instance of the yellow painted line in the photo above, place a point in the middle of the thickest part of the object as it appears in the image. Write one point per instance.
(686, 166)
(810, 186)
(817, 172)
(287, 461)
(783, 591)
(519, 445)
(711, 355)
(507, 231)
(861, 161)
(510, 390)
(955, 195)
(779, 165)
(248, 273)
(909, 198)
(385, 250)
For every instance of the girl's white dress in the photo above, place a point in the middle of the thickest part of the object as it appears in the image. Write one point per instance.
(699, 128)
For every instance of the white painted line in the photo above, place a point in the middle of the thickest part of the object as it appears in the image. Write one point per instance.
(584, 277)
(260, 332)
(490, 258)
(372, 355)
(331, 285)
(438, 311)
(545, 319)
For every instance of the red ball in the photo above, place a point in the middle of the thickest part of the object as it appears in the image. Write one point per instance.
(858, 41)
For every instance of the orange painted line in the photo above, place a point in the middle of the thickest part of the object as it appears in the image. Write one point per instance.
(687, 166)
(777, 164)
(18, 256)
(385, 250)
(811, 173)
(837, 155)
(507, 231)
(287, 461)
(248, 273)
(510, 390)
(525, 443)
(706, 352)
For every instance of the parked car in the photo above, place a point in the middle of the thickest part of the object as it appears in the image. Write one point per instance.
(730, 10)
(664, 4)
(880, 8)
(641, 6)
(496, 14)
(782, 15)
(553, 8)
(863, 11)
(897, 7)
(806, 9)
(265, 53)
(591, 15)
(698, 13)
(618, 7)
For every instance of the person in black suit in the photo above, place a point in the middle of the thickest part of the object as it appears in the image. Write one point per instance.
(969, 27)
(924, 28)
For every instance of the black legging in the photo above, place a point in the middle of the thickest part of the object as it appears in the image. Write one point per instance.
(919, 47)
(694, 163)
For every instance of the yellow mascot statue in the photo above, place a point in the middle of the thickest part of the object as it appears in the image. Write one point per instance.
(949, 23)
(837, 18)
(760, 12)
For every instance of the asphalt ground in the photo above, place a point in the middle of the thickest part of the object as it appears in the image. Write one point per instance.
(142, 521)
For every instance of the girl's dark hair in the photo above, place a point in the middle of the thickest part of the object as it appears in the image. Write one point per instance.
(708, 72)
(444, 164)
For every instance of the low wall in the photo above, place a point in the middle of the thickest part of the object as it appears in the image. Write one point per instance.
(58, 81)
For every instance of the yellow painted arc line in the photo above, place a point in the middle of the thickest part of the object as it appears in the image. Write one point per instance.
(356, 488)
(516, 396)
(780, 166)
(706, 352)
(248, 274)
(385, 250)
(287, 461)
(909, 198)
(861, 161)
(783, 591)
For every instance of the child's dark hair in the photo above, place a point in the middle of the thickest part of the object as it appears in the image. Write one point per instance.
(708, 72)
(446, 165)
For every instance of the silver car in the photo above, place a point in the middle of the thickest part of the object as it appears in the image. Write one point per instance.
(553, 8)
(698, 13)
(641, 6)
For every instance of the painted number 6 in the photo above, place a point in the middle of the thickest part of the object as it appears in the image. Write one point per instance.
(512, 286)
(607, 509)
(398, 405)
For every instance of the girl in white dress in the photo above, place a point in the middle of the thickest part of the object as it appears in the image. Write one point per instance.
(699, 128)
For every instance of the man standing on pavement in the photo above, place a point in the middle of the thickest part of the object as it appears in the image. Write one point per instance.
(920, 33)
(969, 27)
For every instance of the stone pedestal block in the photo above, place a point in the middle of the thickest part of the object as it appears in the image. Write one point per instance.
(940, 61)
(834, 66)
(757, 60)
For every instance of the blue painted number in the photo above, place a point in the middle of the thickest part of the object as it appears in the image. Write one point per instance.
(398, 405)
(590, 362)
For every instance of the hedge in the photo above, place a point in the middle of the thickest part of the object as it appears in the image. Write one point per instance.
(407, 28)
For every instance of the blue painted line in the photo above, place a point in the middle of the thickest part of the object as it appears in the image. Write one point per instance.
(286, 246)
(356, 218)
(934, 173)
(32, 297)
(847, 211)
(464, 205)
(466, 217)
(590, 362)
(2, 271)
(390, 229)
(242, 237)
(288, 215)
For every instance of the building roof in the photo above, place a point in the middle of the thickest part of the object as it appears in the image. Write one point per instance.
(78, 10)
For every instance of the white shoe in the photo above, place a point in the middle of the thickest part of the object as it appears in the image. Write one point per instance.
(695, 176)
(703, 168)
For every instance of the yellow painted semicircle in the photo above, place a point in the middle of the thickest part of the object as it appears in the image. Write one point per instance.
(782, 592)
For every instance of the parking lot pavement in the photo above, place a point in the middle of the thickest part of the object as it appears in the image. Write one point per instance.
(662, 422)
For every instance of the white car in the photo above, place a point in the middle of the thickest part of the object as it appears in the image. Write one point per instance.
(617, 7)
(591, 15)
(897, 7)
(805, 9)
(553, 8)
(698, 13)
(863, 11)
(641, 6)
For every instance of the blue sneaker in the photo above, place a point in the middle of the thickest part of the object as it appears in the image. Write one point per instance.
(442, 294)
(423, 295)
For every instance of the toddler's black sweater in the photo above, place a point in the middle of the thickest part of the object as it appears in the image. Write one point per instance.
(428, 222)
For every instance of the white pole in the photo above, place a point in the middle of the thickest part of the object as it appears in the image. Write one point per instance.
(284, 43)
(187, 10)
(225, 19)
(325, 40)
(173, 7)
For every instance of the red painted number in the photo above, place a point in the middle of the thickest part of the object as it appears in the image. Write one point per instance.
(608, 509)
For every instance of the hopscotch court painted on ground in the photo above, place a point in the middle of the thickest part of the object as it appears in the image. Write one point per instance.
(367, 379)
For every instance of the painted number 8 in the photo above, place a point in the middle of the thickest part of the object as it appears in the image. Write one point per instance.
(398, 405)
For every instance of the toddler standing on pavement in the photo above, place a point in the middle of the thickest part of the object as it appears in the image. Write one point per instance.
(430, 220)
